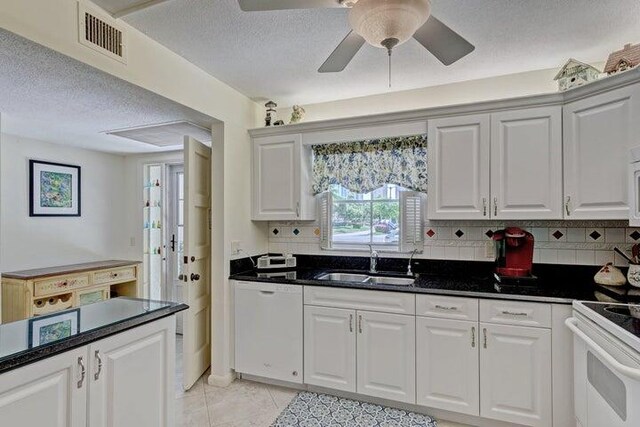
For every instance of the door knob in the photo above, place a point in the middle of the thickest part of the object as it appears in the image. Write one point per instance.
(182, 277)
(195, 277)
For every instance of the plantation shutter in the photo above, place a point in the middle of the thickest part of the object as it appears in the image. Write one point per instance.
(324, 214)
(412, 209)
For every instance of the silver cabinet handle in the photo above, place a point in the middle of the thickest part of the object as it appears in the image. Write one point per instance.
(484, 206)
(484, 334)
(298, 209)
(511, 313)
(566, 206)
(495, 206)
(473, 337)
(99, 360)
(351, 323)
(83, 371)
(442, 307)
(360, 323)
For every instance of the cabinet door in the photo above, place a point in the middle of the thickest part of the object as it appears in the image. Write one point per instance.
(330, 348)
(526, 164)
(515, 374)
(131, 377)
(386, 356)
(276, 178)
(458, 157)
(46, 393)
(447, 365)
(598, 133)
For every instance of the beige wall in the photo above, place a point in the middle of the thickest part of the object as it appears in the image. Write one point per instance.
(501, 87)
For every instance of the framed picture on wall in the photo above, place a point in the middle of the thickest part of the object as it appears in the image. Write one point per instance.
(54, 189)
(53, 327)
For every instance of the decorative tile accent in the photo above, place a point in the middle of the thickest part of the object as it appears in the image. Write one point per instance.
(296, 231)
(489, 233)
(275, 231)
(558, 234)
(316, 231)
(635, 235)
(459, 233)
(431, 233)
(595, 235)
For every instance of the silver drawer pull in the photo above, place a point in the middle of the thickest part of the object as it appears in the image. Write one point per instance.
(83, 371)
(484, 334)
(444, 307)
(360, 323)
(351, 323)
(96, 376)
(473, 337)
(511, 313)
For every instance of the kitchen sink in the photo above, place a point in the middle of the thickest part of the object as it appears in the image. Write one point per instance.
(364, 278)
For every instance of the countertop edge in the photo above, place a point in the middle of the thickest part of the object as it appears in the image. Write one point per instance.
(30, 356)
(40, 273)
(408, 289)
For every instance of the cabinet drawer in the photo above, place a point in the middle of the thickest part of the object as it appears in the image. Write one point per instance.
(358, 299)
(89, 296)
(447, 307)
(58, 284)
(112, 276)
(515, 313)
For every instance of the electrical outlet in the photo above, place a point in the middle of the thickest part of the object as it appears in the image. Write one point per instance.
(490, 249)
(235, 247)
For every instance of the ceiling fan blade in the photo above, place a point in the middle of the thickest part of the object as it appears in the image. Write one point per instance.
(444, 43)
(343, 54)
(263, 5)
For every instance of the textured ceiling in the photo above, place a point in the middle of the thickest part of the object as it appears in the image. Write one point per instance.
(48, 96)
(276, 54)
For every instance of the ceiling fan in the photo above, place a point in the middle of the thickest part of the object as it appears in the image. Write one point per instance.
(381, 23)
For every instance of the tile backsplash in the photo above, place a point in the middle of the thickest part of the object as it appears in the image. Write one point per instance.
(556, 242)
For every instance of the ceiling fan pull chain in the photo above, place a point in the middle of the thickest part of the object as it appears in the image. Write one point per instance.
(389, 68)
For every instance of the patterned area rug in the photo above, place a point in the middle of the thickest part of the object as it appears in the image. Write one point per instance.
(319, 410)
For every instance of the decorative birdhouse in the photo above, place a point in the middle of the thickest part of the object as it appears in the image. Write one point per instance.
(575, 73)
(623, 60)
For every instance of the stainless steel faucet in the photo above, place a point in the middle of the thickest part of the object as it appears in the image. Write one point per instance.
(373, 262)
(409, 272)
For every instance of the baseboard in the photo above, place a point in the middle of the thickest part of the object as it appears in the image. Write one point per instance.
(221, 380)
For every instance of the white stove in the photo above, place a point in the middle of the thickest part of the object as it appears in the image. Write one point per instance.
(606, 350)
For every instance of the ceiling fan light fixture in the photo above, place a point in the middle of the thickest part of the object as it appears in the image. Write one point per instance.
(380, 20)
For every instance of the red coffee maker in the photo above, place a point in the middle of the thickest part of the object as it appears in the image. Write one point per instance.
(514, 253)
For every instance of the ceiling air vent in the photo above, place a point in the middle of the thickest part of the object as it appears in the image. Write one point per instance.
(164, 134)
(101, 33)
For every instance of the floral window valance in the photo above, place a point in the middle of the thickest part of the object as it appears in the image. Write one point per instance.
(364, 166)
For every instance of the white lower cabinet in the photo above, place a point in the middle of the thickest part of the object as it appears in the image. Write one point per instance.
(330, 348)
(447, 365)
(386, 356)
(123, 380)
(515, 374)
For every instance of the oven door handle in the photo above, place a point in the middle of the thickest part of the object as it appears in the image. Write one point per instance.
(633, 373)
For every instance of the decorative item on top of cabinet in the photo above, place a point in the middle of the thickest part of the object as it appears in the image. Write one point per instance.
(271, 113)
(575, 73)
(297, 115)
(623, 60)
(598, 132)
(282, 179)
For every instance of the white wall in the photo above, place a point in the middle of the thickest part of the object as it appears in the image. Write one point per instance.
(500, 87)
(30, 242)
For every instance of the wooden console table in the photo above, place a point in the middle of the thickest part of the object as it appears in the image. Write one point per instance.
(41, 291)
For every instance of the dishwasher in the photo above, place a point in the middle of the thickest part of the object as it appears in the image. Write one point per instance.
(268, 330)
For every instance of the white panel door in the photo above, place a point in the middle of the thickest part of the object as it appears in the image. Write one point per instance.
(131, 377)
(598, 133)
(196, 327)
(51, 393)
(526, 164)
(276, 177)
(447, 365)
(515, 379)
(330, 347)
(458, 165)
(386, 366)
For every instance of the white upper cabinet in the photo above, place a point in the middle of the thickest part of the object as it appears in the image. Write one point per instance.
(598, 133)
(281, 179)
(458, 165)
(526, 164)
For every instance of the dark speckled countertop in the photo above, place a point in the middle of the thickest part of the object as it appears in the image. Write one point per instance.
(556, 283)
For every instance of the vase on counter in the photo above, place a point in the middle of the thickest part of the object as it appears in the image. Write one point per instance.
(633, 275)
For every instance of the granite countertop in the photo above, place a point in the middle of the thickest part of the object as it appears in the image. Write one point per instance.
(454, 285)
(38, 273)
(95, 322)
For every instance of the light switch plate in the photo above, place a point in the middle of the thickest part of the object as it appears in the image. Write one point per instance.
(489, 249)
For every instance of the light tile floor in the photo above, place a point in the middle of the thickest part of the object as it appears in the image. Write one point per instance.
(241, 404)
